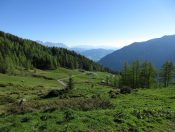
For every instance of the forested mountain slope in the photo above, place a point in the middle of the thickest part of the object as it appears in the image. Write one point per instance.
(156, 51)
(16, 52)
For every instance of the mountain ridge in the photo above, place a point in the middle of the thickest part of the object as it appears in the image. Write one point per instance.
(155, 50)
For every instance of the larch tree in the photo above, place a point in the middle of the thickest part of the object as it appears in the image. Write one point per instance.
(147, 75)
(167, 73)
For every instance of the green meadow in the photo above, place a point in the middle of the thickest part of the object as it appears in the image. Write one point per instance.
(88, 107)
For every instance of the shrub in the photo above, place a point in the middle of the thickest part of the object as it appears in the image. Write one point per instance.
(154, 113)
(8, 84)
(125, 90)
(119, 117)
(50, 110)
(6, 99)
(133, 129)
(84, 104)
(54, 93)
(68, 115)
(5, 129)
(25, 119)
(2, 85)
(42, 127)
(45, 117)
(113, 93)
(95, 102)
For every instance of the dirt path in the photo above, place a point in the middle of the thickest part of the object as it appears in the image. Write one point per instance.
(62, 83)
(66, 78)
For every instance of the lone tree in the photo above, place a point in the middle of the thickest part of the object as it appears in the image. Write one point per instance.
(70, 84)
(167, 73)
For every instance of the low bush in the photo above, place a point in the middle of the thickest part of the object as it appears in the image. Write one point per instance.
(68, 115)
(153, 113)
(119, 117)
(113, 93)
(45, 117)
(7, 84)
(125, 90)
(44, 77)
(95, 102)
(6, 100)
(25, 119)
(54, 93)
(3, 85)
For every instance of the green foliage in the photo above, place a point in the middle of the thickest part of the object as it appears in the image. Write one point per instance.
(167, 73)
(113, 93)
(54, 93)
(126, 75)
(6, 100)
(138, 75)
(147, 75)
(112, 81)
(70, 84)
(68, 115)
(125, 90)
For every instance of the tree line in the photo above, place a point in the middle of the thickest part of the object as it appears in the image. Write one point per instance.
(143, 75)
(16, 52)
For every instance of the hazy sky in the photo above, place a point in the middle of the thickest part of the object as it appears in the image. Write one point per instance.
(105, 23)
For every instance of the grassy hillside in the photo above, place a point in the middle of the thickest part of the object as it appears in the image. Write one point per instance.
(88, 107)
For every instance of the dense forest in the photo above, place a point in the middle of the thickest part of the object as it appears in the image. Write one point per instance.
(16, 53)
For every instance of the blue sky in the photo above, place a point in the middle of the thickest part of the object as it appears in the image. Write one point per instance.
(100, 23)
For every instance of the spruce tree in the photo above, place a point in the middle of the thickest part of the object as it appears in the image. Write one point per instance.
(70, 84)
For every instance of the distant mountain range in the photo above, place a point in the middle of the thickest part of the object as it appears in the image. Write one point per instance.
(156, 51)
(87, 51)
(96, 54)
(51, 44)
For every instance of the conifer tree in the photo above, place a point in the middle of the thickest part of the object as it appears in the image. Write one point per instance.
(3, 66)
(126, 75)
(167, 73)
(70, 84)
(147, 75)
(135, 72)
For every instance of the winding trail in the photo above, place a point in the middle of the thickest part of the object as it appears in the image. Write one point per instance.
(62, 83)
(66, 78)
